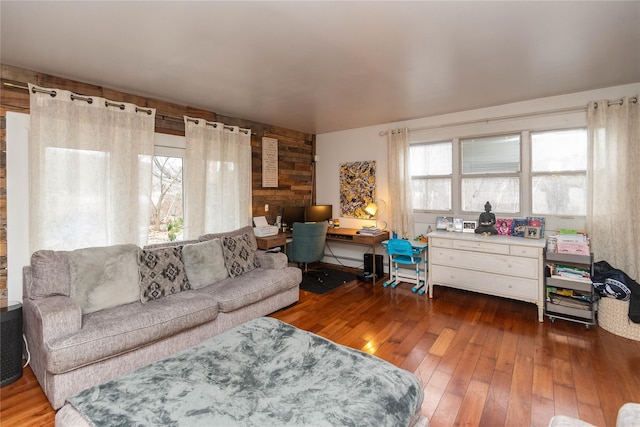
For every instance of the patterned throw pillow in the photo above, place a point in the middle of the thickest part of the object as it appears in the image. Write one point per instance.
(161, 273)
(239, 255)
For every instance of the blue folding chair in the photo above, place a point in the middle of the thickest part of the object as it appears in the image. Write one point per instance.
(401, 252)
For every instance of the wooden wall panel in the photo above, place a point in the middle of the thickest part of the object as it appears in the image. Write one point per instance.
(295, 149)
(3, 210)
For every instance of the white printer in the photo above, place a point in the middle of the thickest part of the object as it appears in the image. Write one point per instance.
(262, 227)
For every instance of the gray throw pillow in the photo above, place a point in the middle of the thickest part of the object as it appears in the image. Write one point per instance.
(161, 273)
(239, 255)
(204, 263)
(104, 277)
(49, 274)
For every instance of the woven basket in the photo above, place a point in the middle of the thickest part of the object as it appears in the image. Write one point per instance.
(613, 316)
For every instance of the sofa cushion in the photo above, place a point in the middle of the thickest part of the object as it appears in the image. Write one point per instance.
(204, 263)
(49, 274)
(252, 287)
(234, 233)
(104, 277)
(271, 260)
(239, 255)
(117, 330)
(161, 272)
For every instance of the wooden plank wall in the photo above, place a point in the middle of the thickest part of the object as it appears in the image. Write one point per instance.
(3, 209)
(296, 150)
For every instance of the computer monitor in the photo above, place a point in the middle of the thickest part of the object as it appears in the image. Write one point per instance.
(291, 214)
(318, 213)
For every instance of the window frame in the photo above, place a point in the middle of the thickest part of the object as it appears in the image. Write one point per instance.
(525, 175)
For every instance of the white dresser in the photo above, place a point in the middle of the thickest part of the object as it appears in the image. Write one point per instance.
(504, 266)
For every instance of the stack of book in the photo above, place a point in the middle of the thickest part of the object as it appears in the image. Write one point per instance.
(371, 230)
(570, 273)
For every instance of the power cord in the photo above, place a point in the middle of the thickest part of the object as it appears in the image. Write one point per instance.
(24, 338)
(26, 347)
(339, 261)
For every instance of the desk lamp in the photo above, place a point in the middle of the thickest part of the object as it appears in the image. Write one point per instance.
(372, 210)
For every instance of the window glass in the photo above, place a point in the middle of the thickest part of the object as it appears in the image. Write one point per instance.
(431, 159)
(431, 168)
(559, 172)
(559, 151)
(432, 194)
(502, 192)
(166, 200)
(496, 154)
(559, 195)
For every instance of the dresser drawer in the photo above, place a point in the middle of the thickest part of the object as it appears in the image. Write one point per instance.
(487, 283)
(491, 248)
(527, 251)
(440, 243)
(500, 264)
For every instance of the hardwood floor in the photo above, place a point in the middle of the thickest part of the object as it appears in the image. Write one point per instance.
(482, 360)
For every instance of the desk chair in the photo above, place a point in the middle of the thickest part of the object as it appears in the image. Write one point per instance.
(308, 244)
(401, 252)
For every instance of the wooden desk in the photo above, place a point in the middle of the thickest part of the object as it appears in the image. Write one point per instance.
(280, 239)
(346, 235)
(352, 235)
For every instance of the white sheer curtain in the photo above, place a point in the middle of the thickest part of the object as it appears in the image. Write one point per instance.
(614, 135)
(217, 178)
(90, 171)
(400, 194)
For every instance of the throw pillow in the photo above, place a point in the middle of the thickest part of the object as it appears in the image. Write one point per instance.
(161, 273)
(104, 277)
(204, 263)
(239, 255)
(49, 274)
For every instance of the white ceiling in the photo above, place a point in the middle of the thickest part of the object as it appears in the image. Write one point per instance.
(325, 66)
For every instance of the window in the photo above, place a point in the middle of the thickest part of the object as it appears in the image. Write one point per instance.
(431, 168)
(559, 172)
(538, 173)
(490, 172)
(166, 200)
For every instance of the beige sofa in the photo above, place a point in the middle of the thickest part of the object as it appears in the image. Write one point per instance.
(93, 314)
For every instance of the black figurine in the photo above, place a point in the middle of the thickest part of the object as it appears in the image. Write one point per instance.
(487, 221)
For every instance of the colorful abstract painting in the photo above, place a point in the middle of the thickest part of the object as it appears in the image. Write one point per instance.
(357, 188)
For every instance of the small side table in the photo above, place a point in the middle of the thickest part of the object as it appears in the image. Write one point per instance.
(10, 344)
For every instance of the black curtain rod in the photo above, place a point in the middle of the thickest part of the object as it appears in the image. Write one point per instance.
(618, 102)
(53, 93)
(215, 125)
